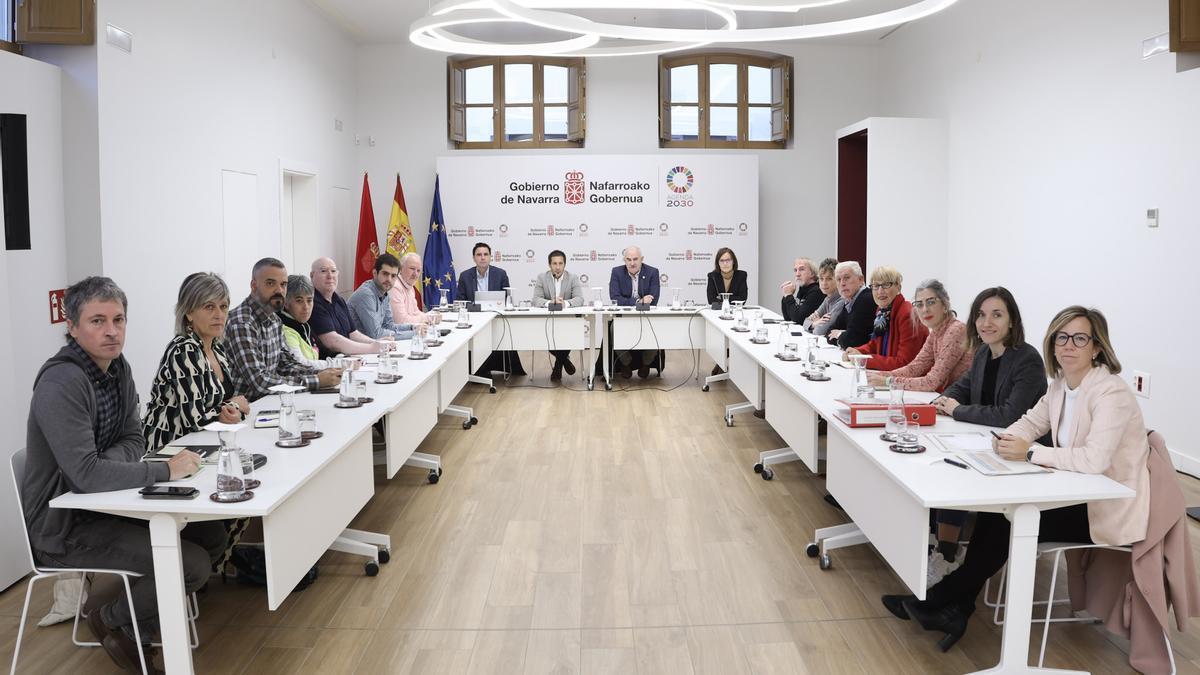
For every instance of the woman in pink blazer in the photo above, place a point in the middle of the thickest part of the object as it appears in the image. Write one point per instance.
(1096, 427)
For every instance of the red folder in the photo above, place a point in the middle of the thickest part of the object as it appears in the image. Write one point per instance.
(858, 414)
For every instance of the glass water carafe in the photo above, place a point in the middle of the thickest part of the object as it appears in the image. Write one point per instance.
(896, 417)
(725, 313)
(346, 393)
(230, 484)
(444, 301)
(289, 420)
(859, 386)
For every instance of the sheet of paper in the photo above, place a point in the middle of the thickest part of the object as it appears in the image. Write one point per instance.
(970, 441)
(990, 464)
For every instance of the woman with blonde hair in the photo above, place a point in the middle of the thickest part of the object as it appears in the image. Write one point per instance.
(1096, 427)
(896, 336)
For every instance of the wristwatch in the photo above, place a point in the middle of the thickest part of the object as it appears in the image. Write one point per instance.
(1029, 456)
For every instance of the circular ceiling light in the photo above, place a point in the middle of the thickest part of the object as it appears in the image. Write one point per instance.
(556, 15)
(431, 31)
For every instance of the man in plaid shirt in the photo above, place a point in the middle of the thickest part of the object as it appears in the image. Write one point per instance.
(254, 339)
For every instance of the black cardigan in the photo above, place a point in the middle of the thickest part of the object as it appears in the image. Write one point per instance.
(1020, 383)
(737, 286)
(797, 308)
(856, 325)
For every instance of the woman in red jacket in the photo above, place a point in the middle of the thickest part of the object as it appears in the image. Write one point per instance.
(897, 335)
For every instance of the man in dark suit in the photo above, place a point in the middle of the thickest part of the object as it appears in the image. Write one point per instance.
(633, 284)
(486, 277)
(853, 326)
(483, 276)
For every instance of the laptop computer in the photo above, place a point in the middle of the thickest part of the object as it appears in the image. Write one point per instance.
(490, 299)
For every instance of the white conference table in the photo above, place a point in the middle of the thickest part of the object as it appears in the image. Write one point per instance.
(888, 496)
(539, 329)
(654, 329)
(309, 495)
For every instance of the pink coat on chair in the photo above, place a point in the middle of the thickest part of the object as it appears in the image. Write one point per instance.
(1133, 599)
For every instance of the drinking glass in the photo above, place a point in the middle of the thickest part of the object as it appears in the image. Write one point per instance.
(760, 334)
(464, 319)
(360, 389)
(675, 302)
(308, 422)
(791, 351)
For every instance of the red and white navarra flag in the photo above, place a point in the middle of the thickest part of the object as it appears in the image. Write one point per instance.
(368, 241)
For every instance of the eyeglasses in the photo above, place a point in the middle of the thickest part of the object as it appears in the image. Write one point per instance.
(726, 261)
(882, 286)
(1080, 340)
(931, 302)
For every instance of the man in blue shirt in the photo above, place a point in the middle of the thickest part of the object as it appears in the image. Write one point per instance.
(371, 307)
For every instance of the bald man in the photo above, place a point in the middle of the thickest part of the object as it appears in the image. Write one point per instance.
(331, 320)
(634, 283)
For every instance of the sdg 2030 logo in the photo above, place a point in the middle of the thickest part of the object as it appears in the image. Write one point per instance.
(680, 181)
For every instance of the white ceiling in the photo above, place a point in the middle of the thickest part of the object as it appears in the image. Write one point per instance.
(388, 21)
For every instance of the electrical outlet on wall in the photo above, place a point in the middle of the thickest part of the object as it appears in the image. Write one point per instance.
(1151, 217)
(1141, 384)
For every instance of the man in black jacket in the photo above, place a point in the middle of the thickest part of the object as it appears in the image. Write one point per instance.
(853, 327)
(801, 295)
(84, 435)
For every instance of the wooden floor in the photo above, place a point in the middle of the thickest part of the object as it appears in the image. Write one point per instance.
(575, 531)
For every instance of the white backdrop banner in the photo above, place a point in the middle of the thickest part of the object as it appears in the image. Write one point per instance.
(679, 209)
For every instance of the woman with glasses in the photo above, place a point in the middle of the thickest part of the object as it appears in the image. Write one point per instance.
(896, 336)
(943, 358)
(1095, 426)
(727, 278)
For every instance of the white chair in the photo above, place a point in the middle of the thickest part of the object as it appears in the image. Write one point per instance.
(18, 475)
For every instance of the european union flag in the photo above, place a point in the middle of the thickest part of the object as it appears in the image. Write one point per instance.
(439, 265)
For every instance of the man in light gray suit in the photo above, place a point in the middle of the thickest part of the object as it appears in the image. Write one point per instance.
(563, 288)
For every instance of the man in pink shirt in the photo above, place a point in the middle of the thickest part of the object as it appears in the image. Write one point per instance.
(403, 296)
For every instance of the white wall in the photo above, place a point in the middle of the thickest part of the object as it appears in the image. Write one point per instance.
(26, 336)
(1060, 137)
(209, 87)
(402, 103)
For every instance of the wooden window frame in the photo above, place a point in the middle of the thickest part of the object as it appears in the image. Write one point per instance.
(781, 68)
(457, 106)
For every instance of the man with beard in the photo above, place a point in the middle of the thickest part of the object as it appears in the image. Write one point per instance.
(254, 339)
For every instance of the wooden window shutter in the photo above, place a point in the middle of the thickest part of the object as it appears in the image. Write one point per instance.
(664, 102)
(576, 102)
(66, 22)
(1184, 18)
(781, 99)
(457, 97)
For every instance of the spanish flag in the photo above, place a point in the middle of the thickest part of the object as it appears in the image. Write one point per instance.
(399, 234)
